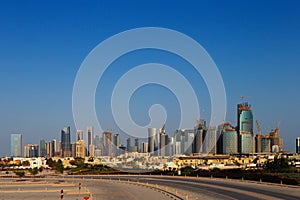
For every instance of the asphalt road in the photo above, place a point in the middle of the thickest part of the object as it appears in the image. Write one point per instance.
(144, 187)
(206, 188)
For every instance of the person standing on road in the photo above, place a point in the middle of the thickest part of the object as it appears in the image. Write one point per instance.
(62, 194)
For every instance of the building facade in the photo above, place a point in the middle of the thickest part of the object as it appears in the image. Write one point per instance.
(15, 145)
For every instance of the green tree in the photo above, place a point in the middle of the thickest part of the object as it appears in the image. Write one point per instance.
(26, 163)
(20, 173)
(34, 171)
(59, 167)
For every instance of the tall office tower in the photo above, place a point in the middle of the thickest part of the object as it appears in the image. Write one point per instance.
(152, 145)
(128, 144)
(107, 143)
(210, 140)
(49, 150)
(245, 128)
(276, 141)
(43, 152)
(90, 133)
(66, 142)
(163, 145)
(15, 145)
(265, 145)
(170, 147)
(199, 132)
(33, 150)
(229, 139)
(258, 138)
(79, 135)
(53, 147)
(80, 150)
(26, 151)
(97, 142)
(58, 149)
(116, 144)
(189, 137)
(298, 145)
(136, 144)
(144, 147)
(220, 139)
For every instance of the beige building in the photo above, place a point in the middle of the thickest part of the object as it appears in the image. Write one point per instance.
(80, 149)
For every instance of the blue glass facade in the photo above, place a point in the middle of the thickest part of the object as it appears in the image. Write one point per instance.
(16, 145)
(66, 142)
(230, 140)
(245, 129)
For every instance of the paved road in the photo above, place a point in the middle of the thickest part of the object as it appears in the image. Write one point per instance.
(117, 187)
(206, 188)
(42, 189)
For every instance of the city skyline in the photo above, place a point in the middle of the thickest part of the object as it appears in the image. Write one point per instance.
(255, 48)
(201, 139)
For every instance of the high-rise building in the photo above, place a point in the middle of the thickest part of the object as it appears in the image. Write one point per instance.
(79, 135)
(144, 147)
(31, 151)
(152, 145)
(188, 140)
(136, 143)
(128, 144)
(43, 151)
(16, 145)
(26, 151)
(229, 139)
(298, 145)
(116, 144)
(90, 135)
(66, 142)
(107, 143)
(258, 138)
(163, 145)
(199, 133)
(245, 128)
(265, 145)
(97, 142)
(210, 140)
(80, 150)
(276, 141)
(53, 147)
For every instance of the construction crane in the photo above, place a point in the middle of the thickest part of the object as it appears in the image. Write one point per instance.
(243, 99)
(258, 126)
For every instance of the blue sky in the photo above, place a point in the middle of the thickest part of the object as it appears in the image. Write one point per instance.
(255, 45)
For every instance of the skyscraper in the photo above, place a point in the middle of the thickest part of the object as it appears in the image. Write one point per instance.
(298, 145)
(116, 144)
(79, 135)
(90, 135)
(210, 140)
(245, 128)
(199, 133)
(128, 144)
(16, 145)
(152, 145)
(276, 141)
(80, 149)
(66, 142)
(43, 151)
(107, 143)
(229, 139)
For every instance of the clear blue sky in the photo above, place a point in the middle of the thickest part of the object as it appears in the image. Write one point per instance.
(255, 45)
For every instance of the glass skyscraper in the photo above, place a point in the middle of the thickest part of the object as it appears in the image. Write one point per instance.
(16, 145)
(65, 142)
(229, 139)
(152, 144)
(245, 129)
(298, 145)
